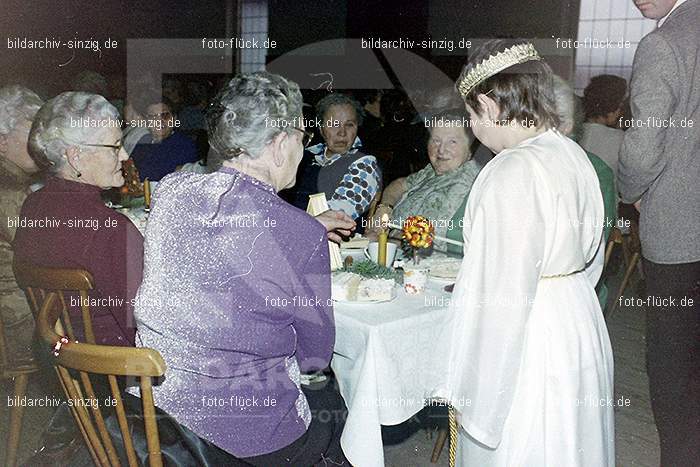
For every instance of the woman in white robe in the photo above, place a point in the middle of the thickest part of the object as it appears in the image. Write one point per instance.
(529, 367)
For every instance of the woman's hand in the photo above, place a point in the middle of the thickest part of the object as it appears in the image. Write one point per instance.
(381, 210)
(337, 223)
(371, 234)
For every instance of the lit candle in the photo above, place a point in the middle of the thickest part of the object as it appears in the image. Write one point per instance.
(382, 240)
(147, 193)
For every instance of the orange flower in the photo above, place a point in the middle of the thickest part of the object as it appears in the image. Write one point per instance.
(418, 232)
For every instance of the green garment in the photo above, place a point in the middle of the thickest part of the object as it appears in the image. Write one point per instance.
(454, 231)
(606, 178)
(436, 197)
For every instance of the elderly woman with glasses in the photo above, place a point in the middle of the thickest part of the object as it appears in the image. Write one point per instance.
(76, 137)
(163, 149)
(236, 289)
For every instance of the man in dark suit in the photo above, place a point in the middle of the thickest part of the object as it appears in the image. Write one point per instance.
(660, 166)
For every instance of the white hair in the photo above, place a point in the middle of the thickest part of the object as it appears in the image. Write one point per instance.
(67, 120)
(17, 103)
(564, 101)
(249, 112)
(90, 81)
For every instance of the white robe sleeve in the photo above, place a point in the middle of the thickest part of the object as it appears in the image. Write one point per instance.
(494, 294)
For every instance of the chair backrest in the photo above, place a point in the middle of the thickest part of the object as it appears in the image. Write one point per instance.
(615, 239)
(10, 364)
(37, 282)
(4, 361)
(79, 366)
(635, 244)
(373, 204)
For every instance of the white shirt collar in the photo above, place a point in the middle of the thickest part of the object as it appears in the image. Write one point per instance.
(319, 152)
(663, 20)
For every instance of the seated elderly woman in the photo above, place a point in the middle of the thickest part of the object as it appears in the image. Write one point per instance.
(249, 277)
(439, 190)
(338, 167)
(163, 149)
(17, 108)
(67, 225)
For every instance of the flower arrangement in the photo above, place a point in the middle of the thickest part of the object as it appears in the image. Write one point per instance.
(132, 185)
(418, 233)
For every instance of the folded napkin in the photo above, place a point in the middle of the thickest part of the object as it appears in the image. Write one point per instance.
(357, 241)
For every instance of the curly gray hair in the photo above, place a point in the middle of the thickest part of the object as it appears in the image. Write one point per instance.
(17, 103)
(336, 98)
(569, 108)
(66, 120)
(249, 112)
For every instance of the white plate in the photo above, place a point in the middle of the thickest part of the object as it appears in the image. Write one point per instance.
(441, 280)
(444, 275)
(357, 302)
(355, 254)
(394, 294)
(442, 267)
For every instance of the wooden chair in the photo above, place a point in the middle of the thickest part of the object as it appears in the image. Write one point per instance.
(443, 434)
(614, 240)
(373, 204)
(632, 254)
(439, 444)
(38, 282)
(19, 370)
(76, 364)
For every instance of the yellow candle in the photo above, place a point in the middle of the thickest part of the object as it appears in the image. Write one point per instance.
(147, 193)
(382, 239)
(381, 248)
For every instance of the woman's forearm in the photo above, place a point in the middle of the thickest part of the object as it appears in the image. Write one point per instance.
(393, 193)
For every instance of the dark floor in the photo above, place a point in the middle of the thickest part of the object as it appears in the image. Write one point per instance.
(410, 445)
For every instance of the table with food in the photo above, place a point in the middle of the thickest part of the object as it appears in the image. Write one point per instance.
(390, 302)
(133, 199)
(387, 322)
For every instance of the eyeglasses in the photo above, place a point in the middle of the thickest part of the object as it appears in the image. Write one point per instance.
(306, 139)
(116, 147)
(159, 116)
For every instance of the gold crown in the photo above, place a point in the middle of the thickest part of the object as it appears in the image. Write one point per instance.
(519, 53)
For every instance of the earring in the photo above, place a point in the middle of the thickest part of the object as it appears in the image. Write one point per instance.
(77, 172)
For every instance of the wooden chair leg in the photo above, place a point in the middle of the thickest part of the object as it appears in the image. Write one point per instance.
(626, 253)
(16, 421)
(439, 444)
(625, 280)
(640, 269)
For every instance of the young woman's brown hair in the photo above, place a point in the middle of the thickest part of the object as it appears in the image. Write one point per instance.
(523, 91)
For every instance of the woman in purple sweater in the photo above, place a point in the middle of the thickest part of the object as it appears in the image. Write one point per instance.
(236, 288)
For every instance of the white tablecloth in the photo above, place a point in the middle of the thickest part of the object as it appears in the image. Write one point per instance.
(383, 356)
(138, 216)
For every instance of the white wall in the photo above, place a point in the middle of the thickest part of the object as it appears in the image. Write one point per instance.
(614, 20)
